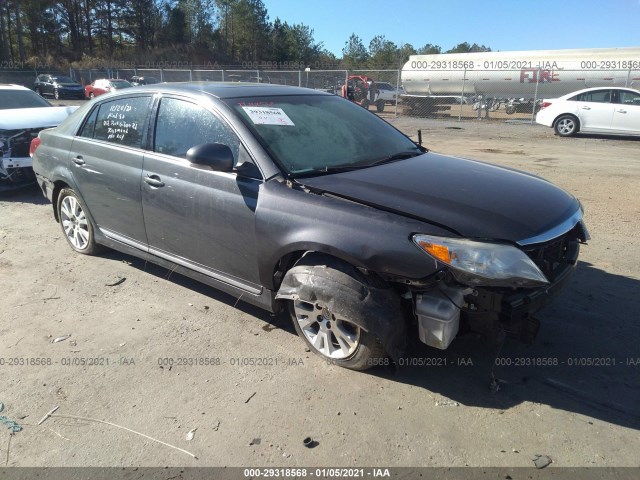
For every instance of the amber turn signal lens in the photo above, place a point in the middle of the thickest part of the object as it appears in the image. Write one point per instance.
(438, 251)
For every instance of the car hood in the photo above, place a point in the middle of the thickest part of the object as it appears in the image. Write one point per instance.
(19, 118)
(470, 198)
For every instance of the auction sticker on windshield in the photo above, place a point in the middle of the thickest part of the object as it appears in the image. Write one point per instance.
(268, 116)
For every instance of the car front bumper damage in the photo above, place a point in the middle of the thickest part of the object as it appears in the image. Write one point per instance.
(15, 163)
(495, 312)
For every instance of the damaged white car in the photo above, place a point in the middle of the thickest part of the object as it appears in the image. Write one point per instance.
(23, 113)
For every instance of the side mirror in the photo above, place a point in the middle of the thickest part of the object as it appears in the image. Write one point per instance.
(216, 156)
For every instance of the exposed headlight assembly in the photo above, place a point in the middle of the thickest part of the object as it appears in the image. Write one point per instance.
(483, 263)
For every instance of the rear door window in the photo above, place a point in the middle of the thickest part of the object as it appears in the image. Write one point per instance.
(120, 121)
(597, 96)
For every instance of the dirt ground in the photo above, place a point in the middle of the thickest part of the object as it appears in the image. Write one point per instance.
(255, 393)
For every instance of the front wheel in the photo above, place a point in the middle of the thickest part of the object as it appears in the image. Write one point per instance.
(380, 106)
(56, 94)
(566, 126)
(339, 313)
(76, 226)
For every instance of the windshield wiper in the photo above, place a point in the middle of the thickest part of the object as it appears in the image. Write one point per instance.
(393, 158)
(348, 168)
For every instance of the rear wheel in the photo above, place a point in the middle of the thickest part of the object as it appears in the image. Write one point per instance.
(380, 106)
(76, 225)
(566, 125)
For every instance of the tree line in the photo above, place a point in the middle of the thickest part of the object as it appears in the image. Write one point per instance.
(90, 33)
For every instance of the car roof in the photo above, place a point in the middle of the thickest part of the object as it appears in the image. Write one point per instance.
(11, 86)
(228, 89)
(593, 89)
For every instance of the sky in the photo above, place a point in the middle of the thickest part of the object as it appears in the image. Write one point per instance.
(500, 25)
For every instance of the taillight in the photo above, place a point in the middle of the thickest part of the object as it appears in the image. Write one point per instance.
(545, 105)
(35, 143)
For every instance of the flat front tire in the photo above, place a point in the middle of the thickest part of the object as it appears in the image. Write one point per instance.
(325, 325)
(76, 225)
(566, 126)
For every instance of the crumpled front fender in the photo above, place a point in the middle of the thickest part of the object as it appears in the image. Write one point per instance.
(366, 302)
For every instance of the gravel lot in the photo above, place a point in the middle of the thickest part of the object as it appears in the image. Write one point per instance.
(132, 317)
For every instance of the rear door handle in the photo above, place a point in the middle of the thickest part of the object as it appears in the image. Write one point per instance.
(621, 111)
(78, 160)
(586, 108)
(154, 181)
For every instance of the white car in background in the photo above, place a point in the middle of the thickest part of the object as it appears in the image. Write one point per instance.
(606, 110)
(23, 113)
(388, 92)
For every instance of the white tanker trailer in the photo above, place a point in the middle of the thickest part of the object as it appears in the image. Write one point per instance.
(432, 80)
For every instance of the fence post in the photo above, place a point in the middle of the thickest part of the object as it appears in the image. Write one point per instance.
(161, 75)
(464, 80)
(535, 98)
(626, 84)
(397, 93)
(190, 75)
(299, 78)
(222, 71)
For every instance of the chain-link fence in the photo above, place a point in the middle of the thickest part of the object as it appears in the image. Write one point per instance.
(501, 95)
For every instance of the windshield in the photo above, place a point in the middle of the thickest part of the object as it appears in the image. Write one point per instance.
(320, 133)
(21, 99)
(120, 84)
(64, 80)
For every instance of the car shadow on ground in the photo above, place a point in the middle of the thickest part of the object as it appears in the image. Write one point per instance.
(22, 194)
(585, 359)
(596, 136)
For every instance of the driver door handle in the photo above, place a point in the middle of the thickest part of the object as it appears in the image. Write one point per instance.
(586, 108)
(78, 160)
(154, 181)
(621, 111)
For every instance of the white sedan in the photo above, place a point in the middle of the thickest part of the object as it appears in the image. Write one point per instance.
(607, 110)
(23, 113)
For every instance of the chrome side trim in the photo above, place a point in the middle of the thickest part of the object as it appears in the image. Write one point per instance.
(184, 263)
(122, 239)
(556, 231)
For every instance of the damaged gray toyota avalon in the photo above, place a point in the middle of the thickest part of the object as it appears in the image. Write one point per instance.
(293, 199)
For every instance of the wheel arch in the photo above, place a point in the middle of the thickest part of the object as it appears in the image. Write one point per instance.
(58, 186)
(286, 261)
(367, 300)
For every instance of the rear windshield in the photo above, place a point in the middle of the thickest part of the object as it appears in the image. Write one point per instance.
(315, 133)
(121, 84)
(21, 99)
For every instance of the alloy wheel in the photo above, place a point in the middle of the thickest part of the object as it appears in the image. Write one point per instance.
(331, 336)
(74, 222)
